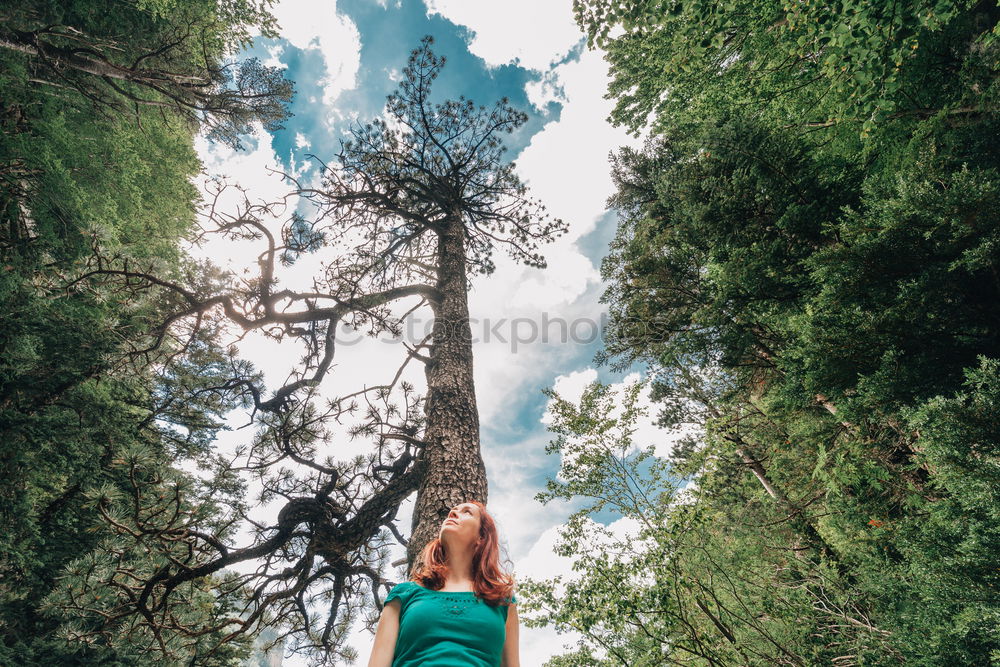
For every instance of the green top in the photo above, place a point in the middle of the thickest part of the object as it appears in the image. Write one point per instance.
(447, 628)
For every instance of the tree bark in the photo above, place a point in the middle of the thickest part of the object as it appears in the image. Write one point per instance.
(61, 57)
(802, 525)
(455, 472)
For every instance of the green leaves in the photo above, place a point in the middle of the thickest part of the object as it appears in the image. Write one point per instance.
(594, 441)
(92, 430)
(172, 56)
(806, 259)
(796, 63)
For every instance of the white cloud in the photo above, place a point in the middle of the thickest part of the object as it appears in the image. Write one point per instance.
(534, 34)
(567, 169)
(542, 562)
(512, 470)
(539, 644)
(570, 387)
(566, 164)
(274, 54)
(570, 275)
(316, 24)
(545, 90)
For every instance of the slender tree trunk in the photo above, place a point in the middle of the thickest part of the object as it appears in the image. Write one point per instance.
(62, 57)
(454, 466)
(796, 516)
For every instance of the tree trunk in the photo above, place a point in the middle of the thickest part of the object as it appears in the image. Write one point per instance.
(454, 466)
(184, 85)
(797, 518)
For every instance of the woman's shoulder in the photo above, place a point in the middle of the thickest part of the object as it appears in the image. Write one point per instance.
(402, 590)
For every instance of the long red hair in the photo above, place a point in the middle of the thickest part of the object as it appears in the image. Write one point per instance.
(490, 581)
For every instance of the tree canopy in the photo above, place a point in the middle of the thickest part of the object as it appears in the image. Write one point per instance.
(806, 263)
(404, 215)
(90, 414)
(174, 56)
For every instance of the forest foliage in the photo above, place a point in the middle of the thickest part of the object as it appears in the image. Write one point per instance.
(807, 261)
(100, 106)
(131, 534)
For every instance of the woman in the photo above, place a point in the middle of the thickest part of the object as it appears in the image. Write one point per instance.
(459, 610)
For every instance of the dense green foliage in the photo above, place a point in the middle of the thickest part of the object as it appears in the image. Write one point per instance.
(807, 259)
(807, 63)
(95, 410)
(158, 55)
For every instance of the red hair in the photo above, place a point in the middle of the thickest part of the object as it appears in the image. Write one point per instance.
(489, 581)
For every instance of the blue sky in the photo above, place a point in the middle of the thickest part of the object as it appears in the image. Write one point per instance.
(388, 34)
(344, 57)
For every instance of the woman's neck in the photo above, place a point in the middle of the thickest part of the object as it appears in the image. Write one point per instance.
(459, 569)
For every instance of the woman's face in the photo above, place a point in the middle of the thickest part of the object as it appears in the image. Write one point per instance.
(462, 524)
